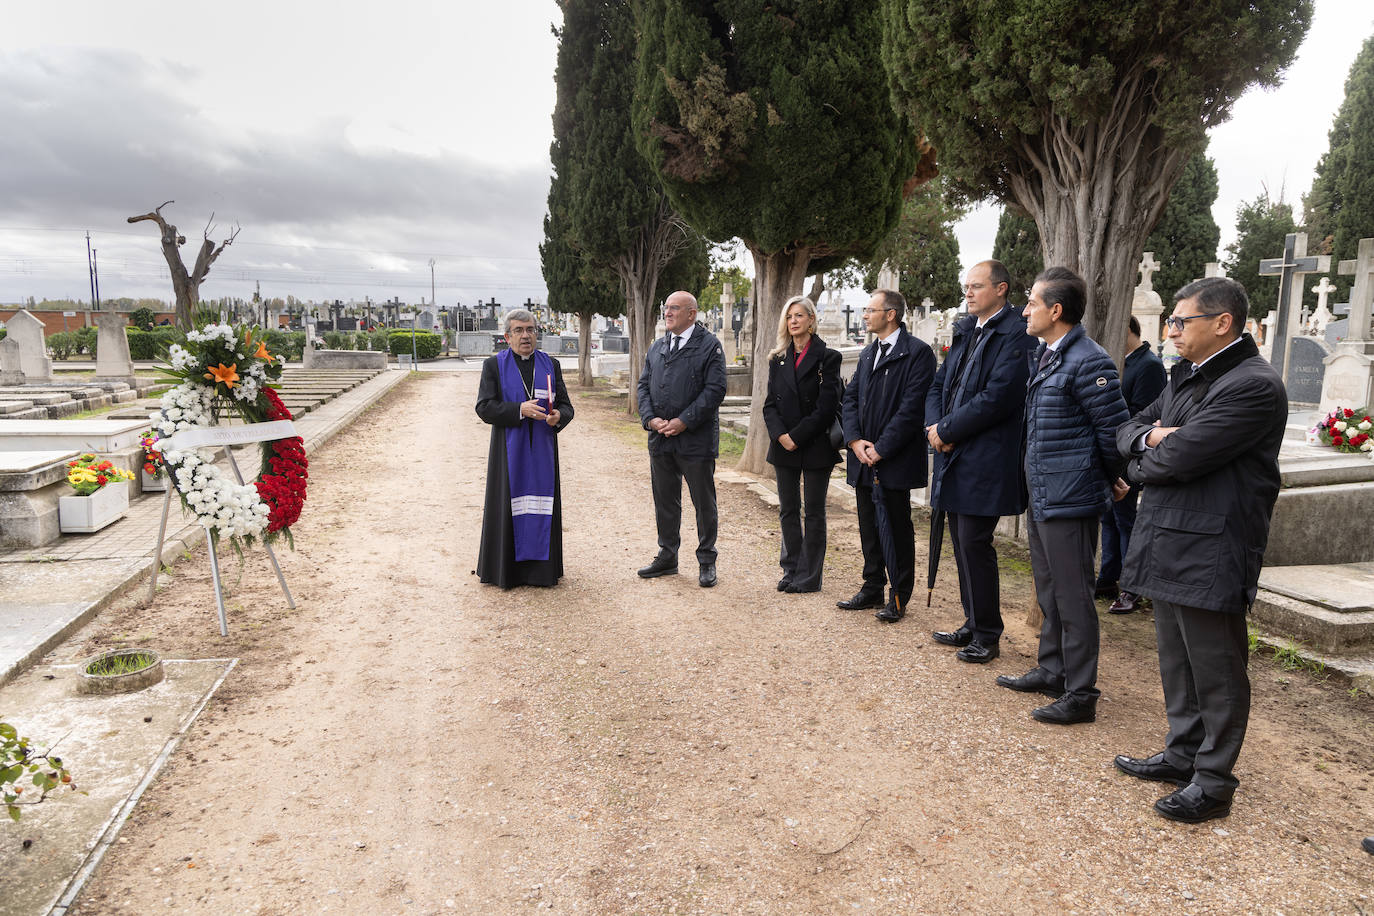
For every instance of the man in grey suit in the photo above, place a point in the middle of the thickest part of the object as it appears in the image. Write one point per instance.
(1206, 452)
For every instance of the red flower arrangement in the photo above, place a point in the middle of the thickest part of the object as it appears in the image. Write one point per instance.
(1345, 430)
(285, 470)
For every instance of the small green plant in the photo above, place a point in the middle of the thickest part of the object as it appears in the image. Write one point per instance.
(1252, 639)
(17, 760)
(126, 663)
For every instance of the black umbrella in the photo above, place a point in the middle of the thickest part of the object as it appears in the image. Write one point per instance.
(885, 538)
(937, 540)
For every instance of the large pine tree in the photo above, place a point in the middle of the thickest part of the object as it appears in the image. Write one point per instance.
(1339, 210)
(1187, 235)
(1261, 225)
(771, 122)
(1082, 114)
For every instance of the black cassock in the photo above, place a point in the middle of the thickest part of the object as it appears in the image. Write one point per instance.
(496, 563)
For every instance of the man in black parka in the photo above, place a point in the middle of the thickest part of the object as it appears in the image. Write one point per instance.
(680, 391)
(883, 413)
(1207, 453)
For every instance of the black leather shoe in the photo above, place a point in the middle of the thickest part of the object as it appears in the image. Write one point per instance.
(1192, 805)
(861, 601)
(978, 653)
(795, 589)
(663, 565)
(784, 584)
(708, 575)
(1035, 680)
(891, 613)
(958, 638)
(1155, 769)
(1067, 710)
(1125, 603)
(1368, 845)
(1106, 591)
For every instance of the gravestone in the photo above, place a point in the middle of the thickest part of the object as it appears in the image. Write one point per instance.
(10, 371)
(927, 306)
(1290, 269)
(427, 320)
(1349, 378)
(1321, 316)
(1146, 305)
(27, 331)
(112, 360)
(926, 328)
(1306, 370)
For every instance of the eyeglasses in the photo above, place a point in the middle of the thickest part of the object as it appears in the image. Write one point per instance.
(520, 331)
(877, 311)
(974, 287)
(1176, 324)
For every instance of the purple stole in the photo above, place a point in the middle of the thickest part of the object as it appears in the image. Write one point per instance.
(530, 462)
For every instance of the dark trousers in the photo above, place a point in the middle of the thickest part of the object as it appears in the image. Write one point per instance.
(1202, 663)
(1116, 537)
(980, 589)
(666, 473)
(803, 545)
(1062, 552)
(898, 505)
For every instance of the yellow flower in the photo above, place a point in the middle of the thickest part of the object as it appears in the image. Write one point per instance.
(222, 373)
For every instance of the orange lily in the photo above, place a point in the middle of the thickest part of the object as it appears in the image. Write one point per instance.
(226, 374)
(262, 352)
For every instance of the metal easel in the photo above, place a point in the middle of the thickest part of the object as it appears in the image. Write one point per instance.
(214, 556)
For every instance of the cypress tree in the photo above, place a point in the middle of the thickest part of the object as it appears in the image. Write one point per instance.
(771, 122)
(1082, 114)
(1339, 210)
(1187, 236)
(1017, 246)
(1261, 225)
(923, 249)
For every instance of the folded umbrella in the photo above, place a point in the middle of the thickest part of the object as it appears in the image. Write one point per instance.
(937, 540)
(885, 538)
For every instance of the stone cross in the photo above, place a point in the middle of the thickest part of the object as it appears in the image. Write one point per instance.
(1362, 292)
(1148, 266)
(27, 331)
(1290, 269)
(1321, 316)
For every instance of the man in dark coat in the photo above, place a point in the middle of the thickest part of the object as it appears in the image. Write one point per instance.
(974, 409)
(1073, 407)
(680, 391)
(883, 413)
(1142, 379)
(1207, 453)
(522, 521)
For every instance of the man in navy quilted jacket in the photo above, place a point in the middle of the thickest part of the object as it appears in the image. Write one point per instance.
(1073, 407)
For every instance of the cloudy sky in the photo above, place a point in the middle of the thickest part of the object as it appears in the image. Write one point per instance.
(354, 142)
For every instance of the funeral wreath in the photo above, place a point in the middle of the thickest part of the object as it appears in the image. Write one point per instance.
(225, 369)
(1346, 430)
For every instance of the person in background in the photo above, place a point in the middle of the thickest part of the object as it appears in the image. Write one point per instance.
(522, 396)
(1142, 380)
(802, 404)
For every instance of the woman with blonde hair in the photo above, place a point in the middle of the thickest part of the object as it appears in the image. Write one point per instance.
(802, 404)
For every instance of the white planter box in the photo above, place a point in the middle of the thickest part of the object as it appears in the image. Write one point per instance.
(85, 514)
(152, 484)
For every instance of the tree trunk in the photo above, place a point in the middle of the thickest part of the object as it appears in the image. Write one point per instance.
(584, 350)
(641, 316)
(658, 242)
(777, 277)
(1096, 191)
(817, 289)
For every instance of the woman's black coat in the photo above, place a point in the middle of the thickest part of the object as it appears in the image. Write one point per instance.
(803, 401)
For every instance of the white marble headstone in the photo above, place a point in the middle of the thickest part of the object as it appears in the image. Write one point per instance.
(28, 332)
(112, 359)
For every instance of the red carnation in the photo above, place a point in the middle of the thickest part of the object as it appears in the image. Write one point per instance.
(1337, 440)
(1349, 413)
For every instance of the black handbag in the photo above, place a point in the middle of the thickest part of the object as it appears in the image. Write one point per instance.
(837, 434)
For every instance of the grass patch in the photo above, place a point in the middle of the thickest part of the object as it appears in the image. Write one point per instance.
(123, 663)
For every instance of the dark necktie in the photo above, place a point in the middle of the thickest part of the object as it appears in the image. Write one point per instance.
(968, 354)
(882, 353)
(1045, 358)
(677, 339)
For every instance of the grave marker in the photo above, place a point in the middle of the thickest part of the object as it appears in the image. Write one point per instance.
(1290, 269)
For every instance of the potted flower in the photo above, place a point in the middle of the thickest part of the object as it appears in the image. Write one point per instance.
(153, 474)
(102, 495)
(1345, 430)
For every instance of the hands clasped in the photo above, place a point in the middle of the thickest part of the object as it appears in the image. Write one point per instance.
(530, 410)
(865, 452)
(663, 427)
(933, 437)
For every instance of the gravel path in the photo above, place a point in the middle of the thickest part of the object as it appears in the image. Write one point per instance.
(410, 741)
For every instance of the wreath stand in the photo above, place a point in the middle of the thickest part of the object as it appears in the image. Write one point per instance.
(224, 437)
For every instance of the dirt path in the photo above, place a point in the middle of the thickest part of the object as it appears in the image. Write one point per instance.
(410, 741)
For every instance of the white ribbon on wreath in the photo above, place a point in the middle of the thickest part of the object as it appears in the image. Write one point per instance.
(219, 502)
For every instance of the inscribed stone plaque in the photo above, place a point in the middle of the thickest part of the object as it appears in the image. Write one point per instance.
(1305, 370)
(1337, 331)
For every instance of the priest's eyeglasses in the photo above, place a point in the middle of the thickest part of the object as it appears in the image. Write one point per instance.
(1176, 324)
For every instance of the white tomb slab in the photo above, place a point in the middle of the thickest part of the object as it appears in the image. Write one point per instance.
(33, 348)
(100, 436)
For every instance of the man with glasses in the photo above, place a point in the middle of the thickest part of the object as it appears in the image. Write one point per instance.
(974, 410)
(883, 414)
(521, 394)
(680, 391)
(1206, 452)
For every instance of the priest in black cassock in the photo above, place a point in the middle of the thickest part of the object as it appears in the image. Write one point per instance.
(523, 397)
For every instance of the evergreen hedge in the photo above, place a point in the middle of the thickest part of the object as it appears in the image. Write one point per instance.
(427, 344)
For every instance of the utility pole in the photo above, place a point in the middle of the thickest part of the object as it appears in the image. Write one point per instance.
(90, 269)
(95, 267)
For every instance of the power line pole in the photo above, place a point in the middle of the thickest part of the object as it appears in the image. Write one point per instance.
(90, 269)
